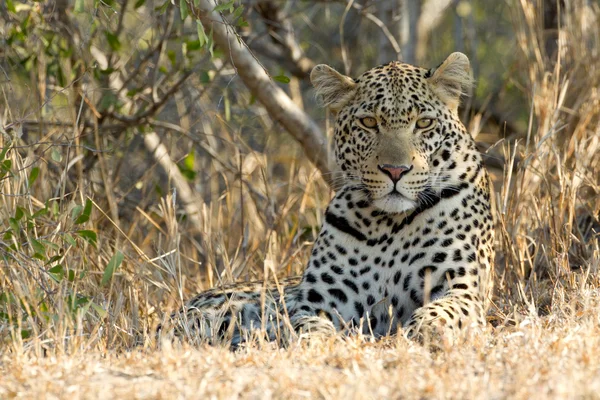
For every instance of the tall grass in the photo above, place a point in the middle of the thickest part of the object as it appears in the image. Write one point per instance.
(550, 199)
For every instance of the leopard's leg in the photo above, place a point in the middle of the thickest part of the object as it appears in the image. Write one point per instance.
(234, 316)
(448, 317)
(312, 325)
(229, 317)
(305, 320)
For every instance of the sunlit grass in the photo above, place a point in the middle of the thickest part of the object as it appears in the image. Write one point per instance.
(77, 320)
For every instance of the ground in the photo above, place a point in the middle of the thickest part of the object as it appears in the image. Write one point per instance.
(550, 357)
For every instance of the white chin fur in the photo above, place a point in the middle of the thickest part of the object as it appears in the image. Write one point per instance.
(394, 204)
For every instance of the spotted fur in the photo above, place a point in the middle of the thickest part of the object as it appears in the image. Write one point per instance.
(407, 240)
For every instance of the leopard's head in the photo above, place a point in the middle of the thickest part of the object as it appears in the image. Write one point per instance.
(397, 132)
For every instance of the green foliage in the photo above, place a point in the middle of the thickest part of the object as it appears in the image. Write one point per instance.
(225, 6)
(113, 41)
(187, 166)
(281, 79)
(35, 171)
(84, 215)
(112, 266)
(88, 235)
(184, 9)
(99, 48)
(43, 255)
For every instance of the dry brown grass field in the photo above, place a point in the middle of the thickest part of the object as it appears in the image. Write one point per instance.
(84, 284)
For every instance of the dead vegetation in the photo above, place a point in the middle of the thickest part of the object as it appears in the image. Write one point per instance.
(91, 264)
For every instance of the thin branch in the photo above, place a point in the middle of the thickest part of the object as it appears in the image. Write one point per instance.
(284, 45)
(154, 108)
(277, 103)
(191, 201)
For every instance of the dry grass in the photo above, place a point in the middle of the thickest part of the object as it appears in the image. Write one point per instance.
(66, 333)
(551, 358)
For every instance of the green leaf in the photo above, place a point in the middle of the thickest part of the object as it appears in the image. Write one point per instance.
(107, 71)
(40, 213)
(57, 272)
(172, 56)
(101, 311)
(55, 208)
(227, 108)
(5, 167)
(69, 239)
(202, 38)
(48, 243)
(188, 161)
(14, 225)
(108, 100)
(7, 298)
(53, 259)
(281, 78)
(76, 211)
(113, 41)
(210, 42)
(3, 152)
(224, 6)
(77, 302)
(133, 92)
(192, 45)
(35, 171)
(138, 4)
(162, 8)
(187, 167)
(19, 213)
(71, 276)
(89, 236)
(85, 215)
(183, 9)
(112, 266)
(204, 77)
(55, 155)
(238, 11)
(11, 6)
(38, 247)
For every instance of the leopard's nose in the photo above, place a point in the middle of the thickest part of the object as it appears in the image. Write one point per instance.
(395, 172)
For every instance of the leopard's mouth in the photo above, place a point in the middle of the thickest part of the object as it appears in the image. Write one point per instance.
(394, 202)
(395, 192)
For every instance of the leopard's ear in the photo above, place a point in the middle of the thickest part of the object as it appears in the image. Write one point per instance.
(452, 79)
(334, 88)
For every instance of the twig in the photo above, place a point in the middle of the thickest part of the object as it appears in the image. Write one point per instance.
(277, 103)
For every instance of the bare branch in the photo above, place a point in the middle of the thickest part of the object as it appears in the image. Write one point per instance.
(191, 201)
(155, 107)
(284, 45)
(277, 103)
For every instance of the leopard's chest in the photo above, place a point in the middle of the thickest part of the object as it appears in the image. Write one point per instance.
(366, 264)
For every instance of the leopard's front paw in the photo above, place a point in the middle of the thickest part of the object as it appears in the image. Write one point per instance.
(428, 325)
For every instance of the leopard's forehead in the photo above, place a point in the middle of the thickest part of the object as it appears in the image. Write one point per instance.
(394, 91)
(396, 72)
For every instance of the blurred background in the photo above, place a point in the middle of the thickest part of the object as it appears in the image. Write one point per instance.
(139, 165)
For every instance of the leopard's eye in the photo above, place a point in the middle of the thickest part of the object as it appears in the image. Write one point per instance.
(369, 122)
(425, 123)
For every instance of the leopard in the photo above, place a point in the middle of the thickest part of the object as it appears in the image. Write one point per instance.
(407, 241)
